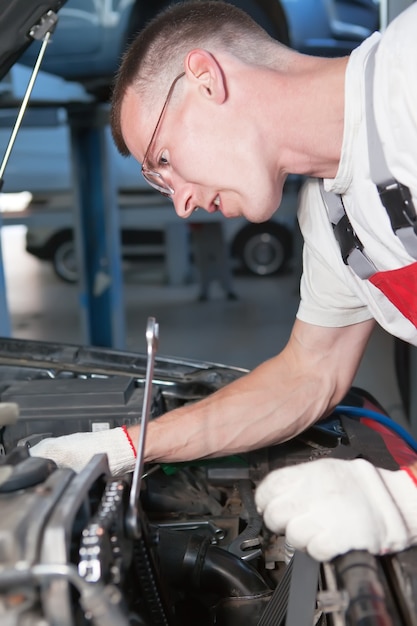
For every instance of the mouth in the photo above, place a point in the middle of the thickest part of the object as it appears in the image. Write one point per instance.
(213, 206)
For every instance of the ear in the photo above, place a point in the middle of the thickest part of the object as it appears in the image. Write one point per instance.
(203, 69)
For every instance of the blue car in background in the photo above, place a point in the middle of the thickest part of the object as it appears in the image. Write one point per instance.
(92, 34)
(85, 52)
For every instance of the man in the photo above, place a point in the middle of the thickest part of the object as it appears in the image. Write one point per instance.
(218, 113)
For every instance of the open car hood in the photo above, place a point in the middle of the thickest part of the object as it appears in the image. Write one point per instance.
(18, 19)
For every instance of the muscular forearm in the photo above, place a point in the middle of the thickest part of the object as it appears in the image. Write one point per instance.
(246, 414)
(273, 403)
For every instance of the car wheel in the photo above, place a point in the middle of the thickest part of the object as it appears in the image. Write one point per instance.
(64, 261)
(263, 249)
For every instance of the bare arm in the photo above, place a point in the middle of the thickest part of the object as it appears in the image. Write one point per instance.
(273, 403)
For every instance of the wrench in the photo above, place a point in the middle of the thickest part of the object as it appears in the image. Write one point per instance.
(132, 517)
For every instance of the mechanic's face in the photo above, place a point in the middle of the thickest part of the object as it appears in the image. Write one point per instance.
(203, 150)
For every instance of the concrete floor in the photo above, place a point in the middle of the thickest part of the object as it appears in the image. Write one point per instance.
(243, 332)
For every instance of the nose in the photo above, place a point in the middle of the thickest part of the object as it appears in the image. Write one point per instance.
(181, 206)
(183, 199)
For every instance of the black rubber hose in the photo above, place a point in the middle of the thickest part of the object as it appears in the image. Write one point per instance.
(359, 574)
(191, 560)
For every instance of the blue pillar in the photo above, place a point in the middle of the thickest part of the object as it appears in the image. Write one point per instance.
(97, 227)
(5, 323)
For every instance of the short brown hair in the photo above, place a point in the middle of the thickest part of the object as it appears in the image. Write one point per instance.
(157, 54)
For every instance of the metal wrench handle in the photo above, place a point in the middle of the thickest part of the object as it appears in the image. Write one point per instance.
(152, 336)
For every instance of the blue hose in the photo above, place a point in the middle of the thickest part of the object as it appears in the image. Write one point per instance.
(355, 411)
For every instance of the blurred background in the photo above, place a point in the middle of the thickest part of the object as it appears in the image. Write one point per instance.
(79, 220)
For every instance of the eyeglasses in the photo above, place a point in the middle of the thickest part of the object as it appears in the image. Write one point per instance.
(156, 179)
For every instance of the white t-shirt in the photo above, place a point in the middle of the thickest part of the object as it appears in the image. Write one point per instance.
(331, 293)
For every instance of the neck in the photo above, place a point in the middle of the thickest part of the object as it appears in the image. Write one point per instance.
(310, 120)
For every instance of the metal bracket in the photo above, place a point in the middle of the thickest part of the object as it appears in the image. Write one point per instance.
(46, 25)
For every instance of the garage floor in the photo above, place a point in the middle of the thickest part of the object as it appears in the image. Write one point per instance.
(240, 332)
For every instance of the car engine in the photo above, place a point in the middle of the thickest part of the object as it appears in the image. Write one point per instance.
(199, 552)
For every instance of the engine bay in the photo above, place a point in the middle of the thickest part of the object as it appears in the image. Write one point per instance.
(200, 553)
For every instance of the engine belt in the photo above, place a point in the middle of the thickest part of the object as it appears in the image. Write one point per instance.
(395, 197)
(276, 609)
(303, 590)
(294, 599)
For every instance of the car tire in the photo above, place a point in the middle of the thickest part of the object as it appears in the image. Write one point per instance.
(263, 249)
(64, 261)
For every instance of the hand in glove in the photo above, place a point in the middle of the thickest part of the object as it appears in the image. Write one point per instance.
(76, 450)
(328, 507)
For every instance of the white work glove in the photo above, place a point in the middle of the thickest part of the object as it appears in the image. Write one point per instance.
(328, 507)
(76, 450)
